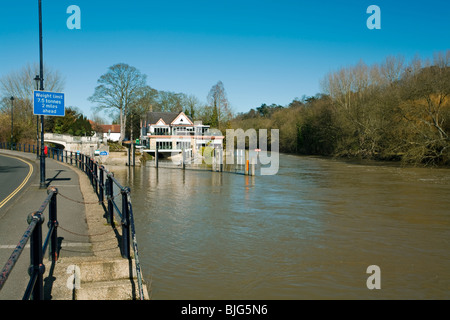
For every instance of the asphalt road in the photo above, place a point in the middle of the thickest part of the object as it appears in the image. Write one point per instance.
(14, 175)
(15, 179)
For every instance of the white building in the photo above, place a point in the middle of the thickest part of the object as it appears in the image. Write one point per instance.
(111, 132)
(172, 132)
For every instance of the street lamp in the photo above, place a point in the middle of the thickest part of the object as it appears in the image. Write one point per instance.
(12, 121)
(42, 184)
(37, 79)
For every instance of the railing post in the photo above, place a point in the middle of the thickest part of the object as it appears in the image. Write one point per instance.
(53, 222)
(125, 224)
(91, 171)
(109, 188)
(83, 162)
(95, 177)
(101, 185)
(37, 267)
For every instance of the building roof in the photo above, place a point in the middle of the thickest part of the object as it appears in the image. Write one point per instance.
(167, 117)
(115, 128)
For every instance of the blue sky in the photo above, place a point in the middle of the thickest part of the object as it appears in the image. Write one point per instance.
(263, 51)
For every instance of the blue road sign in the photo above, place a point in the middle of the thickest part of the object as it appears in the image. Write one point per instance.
(104, 153)
(48, 104)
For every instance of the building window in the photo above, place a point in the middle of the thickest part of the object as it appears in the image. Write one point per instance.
(161, 131)
(185, 144)
(164, 145)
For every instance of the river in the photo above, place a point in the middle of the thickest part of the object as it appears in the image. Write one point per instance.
(309, 232)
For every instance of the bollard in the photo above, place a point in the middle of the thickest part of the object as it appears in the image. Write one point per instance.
(221, 160)
(156, 156)
(184, 159)
(253, 167)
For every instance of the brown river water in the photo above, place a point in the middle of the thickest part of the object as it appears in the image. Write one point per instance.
(309, 232)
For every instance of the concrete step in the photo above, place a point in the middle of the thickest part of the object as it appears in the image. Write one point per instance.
(107, 290)
(92, 271)
(91, 278)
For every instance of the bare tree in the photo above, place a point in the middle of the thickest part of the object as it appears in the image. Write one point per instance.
(425, 104)
(217, 99)
(168, 101)
(119, 89)
(192, 104)
(147, 100)
(20, 84)
(363, 100)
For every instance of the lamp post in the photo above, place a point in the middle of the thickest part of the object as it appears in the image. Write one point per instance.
(37, 79)
(42, 184)
(12, 121)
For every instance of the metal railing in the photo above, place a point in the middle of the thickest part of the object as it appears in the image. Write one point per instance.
(97, 175)
(35, 287)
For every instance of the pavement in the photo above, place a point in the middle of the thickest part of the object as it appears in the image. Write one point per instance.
(73, 230)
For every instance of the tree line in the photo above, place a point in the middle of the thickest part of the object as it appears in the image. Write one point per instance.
(389, 111)
(393, 110)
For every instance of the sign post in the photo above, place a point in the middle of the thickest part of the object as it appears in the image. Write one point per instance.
(46, 104)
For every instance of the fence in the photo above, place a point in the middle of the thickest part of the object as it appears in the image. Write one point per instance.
(97, 175)
(35, 287)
